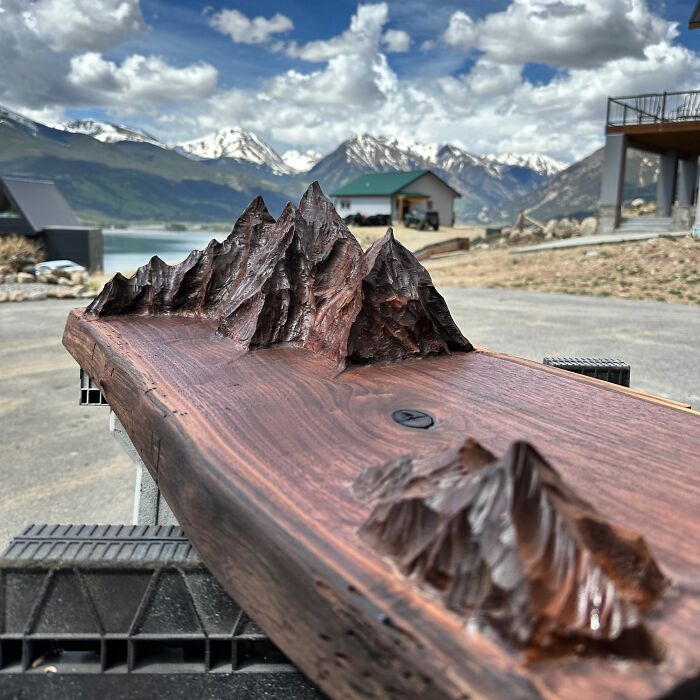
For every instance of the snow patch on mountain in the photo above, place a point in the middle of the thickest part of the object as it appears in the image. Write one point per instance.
(8, 116)
(107, 132)
(238, 143)
(544, 165)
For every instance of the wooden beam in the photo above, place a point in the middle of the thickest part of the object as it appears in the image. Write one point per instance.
(269, 444)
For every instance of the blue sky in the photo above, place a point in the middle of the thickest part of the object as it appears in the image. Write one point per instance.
(496, 75)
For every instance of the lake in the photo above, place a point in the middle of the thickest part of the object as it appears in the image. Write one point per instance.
(124, 251)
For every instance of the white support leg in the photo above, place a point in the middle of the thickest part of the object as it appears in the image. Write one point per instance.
(150, 507)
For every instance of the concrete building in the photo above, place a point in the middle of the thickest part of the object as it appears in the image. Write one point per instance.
(664, 123)
(395, 194)
(37, 209)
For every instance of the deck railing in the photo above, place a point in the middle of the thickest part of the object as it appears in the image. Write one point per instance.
(654, 108)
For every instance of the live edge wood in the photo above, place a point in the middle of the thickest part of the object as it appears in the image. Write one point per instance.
(256, 454)
(272, 440)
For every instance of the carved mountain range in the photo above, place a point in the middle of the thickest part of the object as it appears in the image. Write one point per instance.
(302, 280)
(507, 542)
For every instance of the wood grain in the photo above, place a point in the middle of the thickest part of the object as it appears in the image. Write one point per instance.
(256, 453)
(259, 378)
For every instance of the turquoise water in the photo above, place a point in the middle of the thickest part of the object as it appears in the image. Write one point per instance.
(124, 251)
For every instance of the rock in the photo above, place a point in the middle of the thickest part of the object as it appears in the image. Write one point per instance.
(87, 295)
(65, 281)
(589, 226)
(47, 278)
(10, 278)
(16, 295)
(549, 228)
(4, 296)
(637, 203)
(36, 296)
(591, 254)
(61, 274)
(25, 278)
(78, 277)
(566, 228)
(79, 289)
(65, 293)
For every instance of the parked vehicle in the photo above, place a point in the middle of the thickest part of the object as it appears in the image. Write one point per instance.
(422, 219)
(371, 220)
(50, 266)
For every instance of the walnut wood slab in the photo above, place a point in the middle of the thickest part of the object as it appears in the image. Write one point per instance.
(272, 440)
(256, 454)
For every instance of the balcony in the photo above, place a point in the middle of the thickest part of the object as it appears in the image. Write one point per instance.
(654, 108)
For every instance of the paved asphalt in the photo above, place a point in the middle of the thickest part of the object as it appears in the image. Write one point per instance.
(59, 464)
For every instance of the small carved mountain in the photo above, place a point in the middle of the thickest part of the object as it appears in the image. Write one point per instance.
(507, 542)
(302, 280)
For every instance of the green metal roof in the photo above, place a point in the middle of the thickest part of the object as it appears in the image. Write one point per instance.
(378, 184)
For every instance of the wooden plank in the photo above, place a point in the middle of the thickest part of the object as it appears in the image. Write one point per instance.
(259, 454)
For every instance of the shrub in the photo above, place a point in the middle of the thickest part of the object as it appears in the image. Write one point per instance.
(16, 252)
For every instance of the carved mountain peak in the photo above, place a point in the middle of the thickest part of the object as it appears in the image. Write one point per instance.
(402, 313)
(300, 280)
(507, 542)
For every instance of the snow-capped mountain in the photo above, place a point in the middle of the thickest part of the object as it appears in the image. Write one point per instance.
(544, 165)
(301, 161)
(13, 119)
(107, 132)
(239, 144)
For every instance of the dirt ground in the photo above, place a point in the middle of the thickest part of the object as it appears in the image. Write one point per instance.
(411, 237)
(661, 269)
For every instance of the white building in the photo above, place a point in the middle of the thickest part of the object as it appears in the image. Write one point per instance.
(395, 194)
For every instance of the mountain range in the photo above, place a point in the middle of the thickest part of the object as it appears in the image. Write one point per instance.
(113, 173)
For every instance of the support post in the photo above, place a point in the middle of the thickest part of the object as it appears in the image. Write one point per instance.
(666, 184)
(684, 209)
(612, 182)
(150, 507)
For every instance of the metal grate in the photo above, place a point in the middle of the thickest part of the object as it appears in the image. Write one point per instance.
(607, 370)
(90, 394)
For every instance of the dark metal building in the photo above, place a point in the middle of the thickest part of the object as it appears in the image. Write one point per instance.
(37, 209)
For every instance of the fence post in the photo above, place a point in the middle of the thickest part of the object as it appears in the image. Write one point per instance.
(663, 108)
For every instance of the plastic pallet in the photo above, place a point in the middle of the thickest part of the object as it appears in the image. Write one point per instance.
(123, 600)
(607, 370)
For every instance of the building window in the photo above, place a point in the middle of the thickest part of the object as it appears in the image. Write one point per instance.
(430, 204)
(345, 204)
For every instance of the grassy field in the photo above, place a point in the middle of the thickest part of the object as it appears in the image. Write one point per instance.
(661, 269)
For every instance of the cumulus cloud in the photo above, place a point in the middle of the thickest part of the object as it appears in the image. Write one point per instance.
(396, 41)
(362, 37)
(488, 107)
(138, 79)
(84, 24)
(43, 56)
(562, 33)
(244, 30)
(349, 85)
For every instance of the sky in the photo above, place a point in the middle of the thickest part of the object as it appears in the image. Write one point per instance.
(490, 76)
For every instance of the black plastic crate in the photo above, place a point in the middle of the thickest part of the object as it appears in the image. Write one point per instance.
(607, 370)
(96, 601)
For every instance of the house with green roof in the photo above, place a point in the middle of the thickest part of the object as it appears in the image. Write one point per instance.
(395, 194)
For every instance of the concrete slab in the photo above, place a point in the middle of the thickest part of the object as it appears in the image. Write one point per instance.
(599, 239)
